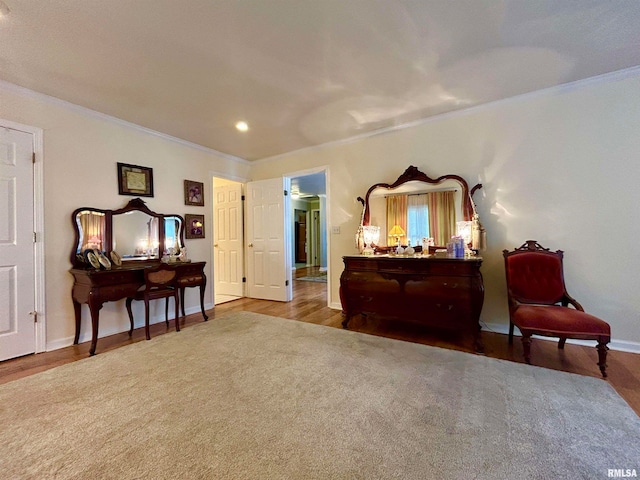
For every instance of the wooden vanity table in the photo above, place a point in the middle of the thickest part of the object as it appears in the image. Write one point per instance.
(95, 287)
(138, 235)
(434, 290)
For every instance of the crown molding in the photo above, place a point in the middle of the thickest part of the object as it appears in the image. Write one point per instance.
(618, 75)
(17, 89)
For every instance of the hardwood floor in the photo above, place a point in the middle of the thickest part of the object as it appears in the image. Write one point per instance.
(310, 305)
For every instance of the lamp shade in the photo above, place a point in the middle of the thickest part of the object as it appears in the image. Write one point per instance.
(397, 231)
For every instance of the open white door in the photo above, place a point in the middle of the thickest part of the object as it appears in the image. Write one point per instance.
(228, 261)
(17, 276)
(268, 265)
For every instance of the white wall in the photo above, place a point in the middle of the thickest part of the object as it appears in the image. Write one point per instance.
(80, 155)
(560, 166)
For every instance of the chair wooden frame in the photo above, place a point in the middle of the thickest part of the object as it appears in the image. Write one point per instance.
(551, 322)
(160, 282)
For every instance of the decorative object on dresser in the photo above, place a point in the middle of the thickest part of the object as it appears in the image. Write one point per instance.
(139, 235)
(193, 193)
(409, 284)
(135, 180)
(539, 302)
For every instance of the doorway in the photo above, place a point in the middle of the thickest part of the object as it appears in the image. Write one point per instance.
(265, 264)
(309, 204)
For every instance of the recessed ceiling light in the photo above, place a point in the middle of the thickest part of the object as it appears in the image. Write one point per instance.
(242, 126)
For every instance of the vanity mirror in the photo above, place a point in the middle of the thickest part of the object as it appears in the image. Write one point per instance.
(134, 232)
(416, 206)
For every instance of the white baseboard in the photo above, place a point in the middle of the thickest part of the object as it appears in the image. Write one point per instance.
(335, 305)
(620, 345)
(85, 336)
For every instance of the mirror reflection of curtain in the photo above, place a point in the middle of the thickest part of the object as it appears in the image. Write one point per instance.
(417, 219)
(396, 215)
(92, 227)
(442, 216)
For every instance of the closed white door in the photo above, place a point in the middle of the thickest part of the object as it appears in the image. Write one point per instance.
(228, 242)
(268, 269)
(17, 277)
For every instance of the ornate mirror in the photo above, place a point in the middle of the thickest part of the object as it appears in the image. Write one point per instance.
(134, 232)
(416, 206)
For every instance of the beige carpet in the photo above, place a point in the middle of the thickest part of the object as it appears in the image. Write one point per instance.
(247, 396)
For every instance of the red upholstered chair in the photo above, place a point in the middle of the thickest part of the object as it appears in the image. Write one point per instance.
(159, 282)
(539, 302)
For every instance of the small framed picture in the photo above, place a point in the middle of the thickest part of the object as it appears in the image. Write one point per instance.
(195, 226)
(193, 193)
(135, 180)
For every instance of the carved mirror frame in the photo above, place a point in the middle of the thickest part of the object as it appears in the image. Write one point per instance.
(413, 174)
(135, 204)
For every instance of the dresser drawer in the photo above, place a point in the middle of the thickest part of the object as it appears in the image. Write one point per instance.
(459, 267)
(117, 292)
(363, 264)
(191, 280)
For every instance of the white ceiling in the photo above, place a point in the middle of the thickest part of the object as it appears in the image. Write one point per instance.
(305, 72)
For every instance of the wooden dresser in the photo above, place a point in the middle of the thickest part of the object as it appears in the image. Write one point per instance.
(435, 290)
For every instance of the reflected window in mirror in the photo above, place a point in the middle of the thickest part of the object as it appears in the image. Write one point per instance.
(91, 226)
(172, 237)
(430, 212)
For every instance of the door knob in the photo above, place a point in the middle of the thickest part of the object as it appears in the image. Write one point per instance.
(251, 245)
(215, 244)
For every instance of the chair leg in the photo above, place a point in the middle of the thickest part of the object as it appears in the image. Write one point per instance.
(166, 311)
(561, 343)
(146, 318)
(510, 333)
(526, 345)
(128, 303)
(602, 358)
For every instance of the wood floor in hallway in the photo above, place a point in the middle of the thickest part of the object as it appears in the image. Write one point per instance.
(310, 305)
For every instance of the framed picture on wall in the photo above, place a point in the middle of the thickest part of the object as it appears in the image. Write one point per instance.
(193, 193)
(195, 226)
(135, 180)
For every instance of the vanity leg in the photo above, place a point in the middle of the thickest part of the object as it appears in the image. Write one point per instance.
(182, 300)
(77, 308)
(95, 318)
(202, 287)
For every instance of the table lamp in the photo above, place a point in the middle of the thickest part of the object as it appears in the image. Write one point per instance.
(371, 234)
(397, 231)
